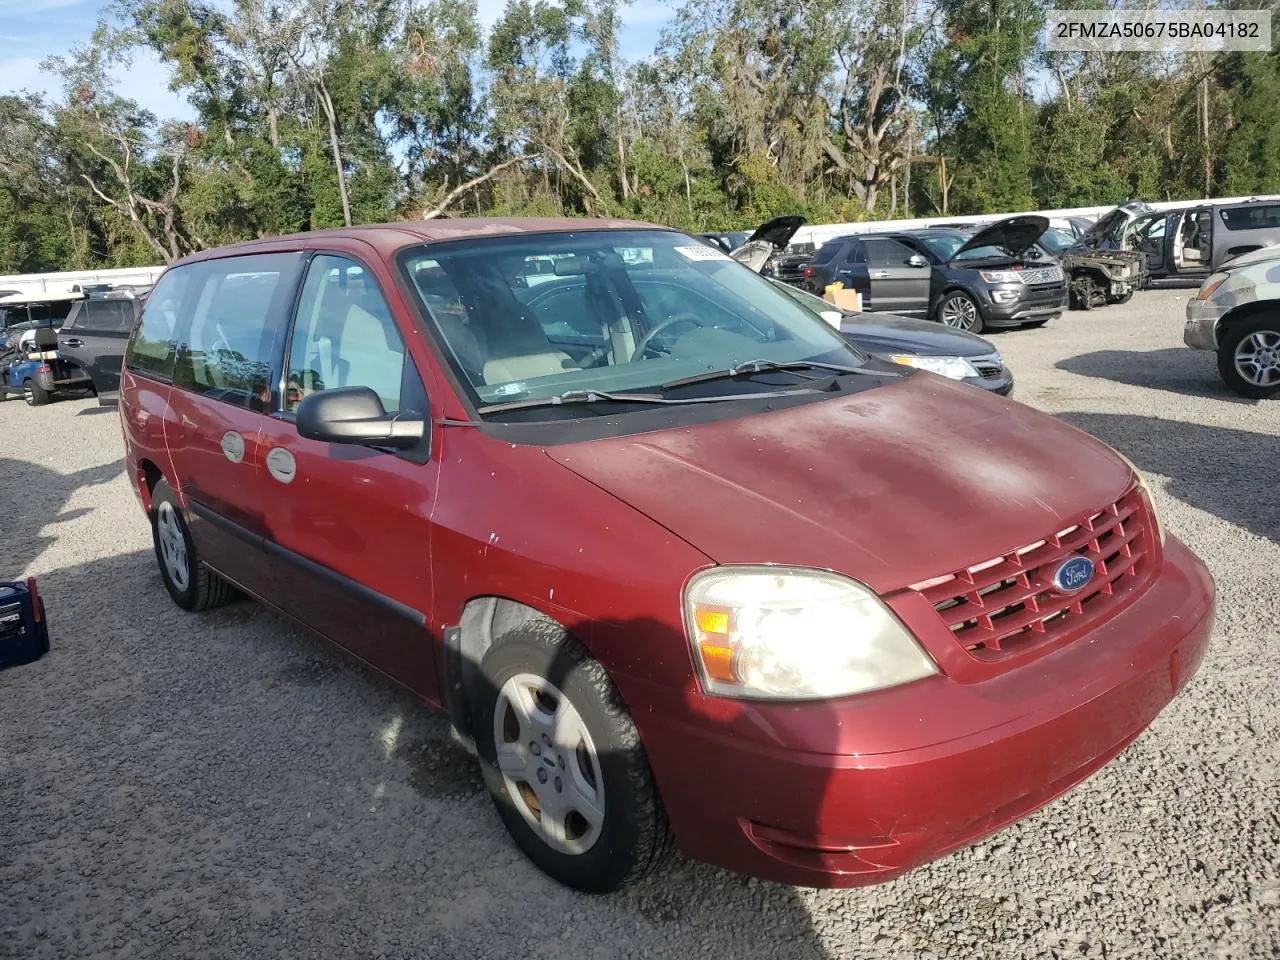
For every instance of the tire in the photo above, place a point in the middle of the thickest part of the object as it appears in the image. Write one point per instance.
(34, 394)
(629, 835)
(192, 585)
(959, 306)
(1259, 338)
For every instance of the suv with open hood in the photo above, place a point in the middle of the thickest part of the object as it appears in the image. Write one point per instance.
(992, 277)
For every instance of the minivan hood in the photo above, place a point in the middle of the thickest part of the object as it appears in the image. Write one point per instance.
(891, 486)
(1015, 234)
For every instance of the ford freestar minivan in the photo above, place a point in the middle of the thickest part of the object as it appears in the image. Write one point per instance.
(680, 561)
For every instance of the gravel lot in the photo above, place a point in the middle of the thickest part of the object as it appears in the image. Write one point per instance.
(227, 786)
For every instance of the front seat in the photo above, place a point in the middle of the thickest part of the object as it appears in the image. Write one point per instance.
(371, 351)
(520, 350)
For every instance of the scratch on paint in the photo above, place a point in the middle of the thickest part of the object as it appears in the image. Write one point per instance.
(1047, 507)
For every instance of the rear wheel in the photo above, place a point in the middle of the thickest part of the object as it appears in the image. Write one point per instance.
(563, 761)
(192, 585)
(959, 311)
(1249, 357)
(34, 394)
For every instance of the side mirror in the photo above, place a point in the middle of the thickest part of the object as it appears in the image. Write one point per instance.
(355, 415)
(915, 260)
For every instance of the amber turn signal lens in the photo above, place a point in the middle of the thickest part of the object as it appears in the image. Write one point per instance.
(712, 620)
(717, 660)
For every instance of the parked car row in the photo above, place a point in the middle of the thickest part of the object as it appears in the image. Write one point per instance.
(66, 344)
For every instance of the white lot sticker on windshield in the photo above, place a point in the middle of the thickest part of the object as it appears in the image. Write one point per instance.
(701, 252)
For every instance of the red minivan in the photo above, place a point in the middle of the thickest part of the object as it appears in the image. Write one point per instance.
(679, 561)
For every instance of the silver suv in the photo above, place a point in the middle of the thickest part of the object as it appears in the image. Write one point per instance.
(1236, 314)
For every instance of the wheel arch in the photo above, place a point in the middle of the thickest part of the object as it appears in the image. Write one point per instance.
(148, 475)
(483, 620)
(1245, 312)
(955, 286)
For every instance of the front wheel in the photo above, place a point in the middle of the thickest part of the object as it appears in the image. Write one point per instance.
(563, 762)
(34, 394)
(1249, 357)
(192, 585)
(959, 311)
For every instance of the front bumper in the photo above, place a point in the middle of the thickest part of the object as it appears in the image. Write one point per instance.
(995, 377)
(1027, 305)
(1201, 330)
(925, 769)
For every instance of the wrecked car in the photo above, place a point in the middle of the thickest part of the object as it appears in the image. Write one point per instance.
(1096, 277)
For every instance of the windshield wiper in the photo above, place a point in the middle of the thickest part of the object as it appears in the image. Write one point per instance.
(606, 396)
(765, 366)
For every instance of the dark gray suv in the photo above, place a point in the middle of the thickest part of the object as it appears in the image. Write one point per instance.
(994, 277)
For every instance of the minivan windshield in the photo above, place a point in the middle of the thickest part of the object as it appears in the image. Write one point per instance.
(623, 312)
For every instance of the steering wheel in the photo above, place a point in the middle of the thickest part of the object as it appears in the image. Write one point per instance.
(647, 340)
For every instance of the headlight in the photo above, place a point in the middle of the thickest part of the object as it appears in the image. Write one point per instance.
(1211, 284)
(1146, 491)
(781, 633)
(957, 368)
(1001, 276)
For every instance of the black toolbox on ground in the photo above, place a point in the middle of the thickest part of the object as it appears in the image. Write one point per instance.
(24, 634)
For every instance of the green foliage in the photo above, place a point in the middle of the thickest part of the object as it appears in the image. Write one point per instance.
(838, 110)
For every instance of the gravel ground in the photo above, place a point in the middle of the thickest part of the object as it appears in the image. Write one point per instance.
(226, 786)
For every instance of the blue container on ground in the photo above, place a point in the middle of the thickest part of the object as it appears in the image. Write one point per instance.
(24, 633)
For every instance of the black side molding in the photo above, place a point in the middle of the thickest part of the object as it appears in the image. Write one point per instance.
(318, 570)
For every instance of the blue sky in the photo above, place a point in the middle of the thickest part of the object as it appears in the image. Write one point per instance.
(31, 30)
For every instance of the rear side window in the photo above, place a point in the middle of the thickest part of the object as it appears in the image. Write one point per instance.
(828, 251)
(154, 344)
(1253, 217)
(74, 318)
(102, 316)
(234, 316)
(887, 252)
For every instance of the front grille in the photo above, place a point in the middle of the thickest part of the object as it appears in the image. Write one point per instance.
(1008, 604)
(1042, 275)
(988, 372)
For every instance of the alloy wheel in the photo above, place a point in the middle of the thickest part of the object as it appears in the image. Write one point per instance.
(173, 546)
(1258, 358)
(959, 312)
(28, 394)
(549, 763)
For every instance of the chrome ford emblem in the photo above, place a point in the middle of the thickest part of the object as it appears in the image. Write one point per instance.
(1073, 574)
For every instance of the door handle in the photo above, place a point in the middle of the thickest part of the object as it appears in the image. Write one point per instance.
(881, 275)
(72, 342)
